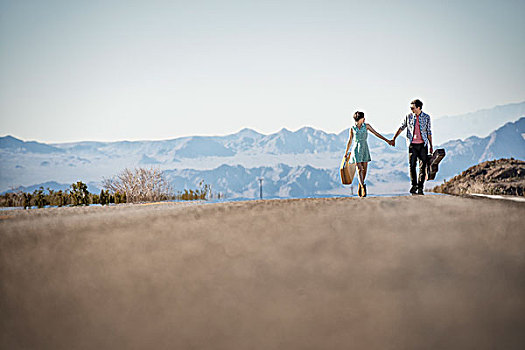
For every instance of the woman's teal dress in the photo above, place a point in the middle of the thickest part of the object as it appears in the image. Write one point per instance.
(360, 152)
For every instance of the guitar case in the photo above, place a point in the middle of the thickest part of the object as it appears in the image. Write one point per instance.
(433, 163)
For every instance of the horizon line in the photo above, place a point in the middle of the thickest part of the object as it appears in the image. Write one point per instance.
(236, 132)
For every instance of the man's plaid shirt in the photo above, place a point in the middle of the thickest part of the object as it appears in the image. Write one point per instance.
(424, 126)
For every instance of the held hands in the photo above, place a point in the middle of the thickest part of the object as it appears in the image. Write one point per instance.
(391, 142)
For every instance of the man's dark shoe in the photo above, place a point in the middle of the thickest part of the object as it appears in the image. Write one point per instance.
(413, 189)
(420, 191)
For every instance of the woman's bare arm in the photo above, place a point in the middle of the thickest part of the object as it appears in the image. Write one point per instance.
(349, 142)
(371, 129)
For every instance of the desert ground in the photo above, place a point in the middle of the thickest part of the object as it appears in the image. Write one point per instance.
(424, 272)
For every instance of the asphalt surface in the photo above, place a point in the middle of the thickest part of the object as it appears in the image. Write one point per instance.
(431, 272)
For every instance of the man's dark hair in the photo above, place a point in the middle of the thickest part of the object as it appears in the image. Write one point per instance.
(358, 115)
(417, 103)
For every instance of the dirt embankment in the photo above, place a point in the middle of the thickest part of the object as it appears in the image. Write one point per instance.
(502, 177)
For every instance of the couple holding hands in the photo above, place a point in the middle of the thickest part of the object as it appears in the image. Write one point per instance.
(419, 140)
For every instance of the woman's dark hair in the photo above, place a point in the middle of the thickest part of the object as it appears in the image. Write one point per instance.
(417, 103)
(358, 115)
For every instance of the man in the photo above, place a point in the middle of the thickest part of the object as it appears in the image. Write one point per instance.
(419, 138)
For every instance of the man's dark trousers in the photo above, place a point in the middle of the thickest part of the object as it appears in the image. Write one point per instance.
(418, 151)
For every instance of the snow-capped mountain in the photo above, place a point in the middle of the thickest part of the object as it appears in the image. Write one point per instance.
(508, 141)
(237, 181)
(302, 162)
(18, 146)
(26, 163)
(480, 123)
(55, 186)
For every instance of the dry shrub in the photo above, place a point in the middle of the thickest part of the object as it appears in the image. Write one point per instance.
(140, 185)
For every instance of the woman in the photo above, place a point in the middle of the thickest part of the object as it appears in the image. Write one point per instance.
(360, 153)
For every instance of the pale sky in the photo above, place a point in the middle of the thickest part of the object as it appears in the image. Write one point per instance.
(150, 70)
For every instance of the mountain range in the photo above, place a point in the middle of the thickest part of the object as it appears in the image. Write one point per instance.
(506, 142)
(300, 163)
(480, 123)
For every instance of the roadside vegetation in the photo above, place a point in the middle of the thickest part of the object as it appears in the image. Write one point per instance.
(129, 186)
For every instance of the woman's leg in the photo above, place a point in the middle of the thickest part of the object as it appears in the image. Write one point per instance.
(362, 166)
(362, 172)
(365, 169)
(360, 190)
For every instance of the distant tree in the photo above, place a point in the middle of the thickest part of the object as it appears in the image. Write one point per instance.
(95, 199)
(12, 199)
(79, 193)
(138, 185)
(40, 199)
(27, 200)
(61, 200)
(103, 197)
(119, 198)
(205, 190)
(203, 193)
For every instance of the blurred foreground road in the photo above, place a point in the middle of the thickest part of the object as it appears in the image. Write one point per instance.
(432, 272)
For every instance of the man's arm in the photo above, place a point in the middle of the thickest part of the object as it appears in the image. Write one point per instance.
(399, 131)
(429, 133)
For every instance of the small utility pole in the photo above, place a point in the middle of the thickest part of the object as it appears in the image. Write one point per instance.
(260, 186)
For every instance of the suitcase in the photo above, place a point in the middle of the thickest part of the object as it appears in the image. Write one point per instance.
(433, 163)
(347, 172)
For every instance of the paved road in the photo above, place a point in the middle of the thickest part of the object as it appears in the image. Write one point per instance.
(432, 272)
